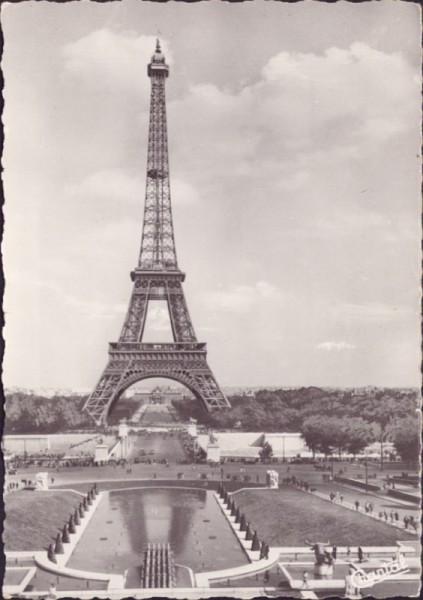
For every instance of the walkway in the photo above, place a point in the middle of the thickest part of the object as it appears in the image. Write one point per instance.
(349, 503)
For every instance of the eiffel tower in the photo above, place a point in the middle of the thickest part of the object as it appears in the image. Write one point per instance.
(157, 277)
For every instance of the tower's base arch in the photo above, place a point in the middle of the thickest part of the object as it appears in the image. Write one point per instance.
(130, 363)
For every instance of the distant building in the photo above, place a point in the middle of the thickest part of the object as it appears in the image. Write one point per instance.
(25, 444)
(247, 445)
(161, 395)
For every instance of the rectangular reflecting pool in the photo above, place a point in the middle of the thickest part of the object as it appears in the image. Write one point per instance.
(190, 520)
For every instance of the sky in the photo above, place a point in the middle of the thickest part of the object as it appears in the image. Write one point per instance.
(294, 141)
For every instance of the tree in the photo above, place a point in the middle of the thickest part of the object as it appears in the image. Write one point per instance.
(319, 433)
(266, 452)
(406, 438)
(358, 434)
(383, 413)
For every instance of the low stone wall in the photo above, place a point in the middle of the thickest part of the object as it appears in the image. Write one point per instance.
(357, 483)
(207, 484)
(401, 495)
(412, 480)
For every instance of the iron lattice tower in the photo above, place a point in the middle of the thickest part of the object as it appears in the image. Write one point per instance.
(157, 277)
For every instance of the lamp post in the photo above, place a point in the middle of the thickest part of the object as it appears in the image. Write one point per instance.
(367, 474)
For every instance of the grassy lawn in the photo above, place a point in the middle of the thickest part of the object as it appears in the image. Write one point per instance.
(154, 415)
(288, 517)
(34, 518)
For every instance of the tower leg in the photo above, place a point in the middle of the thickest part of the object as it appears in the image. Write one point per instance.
(191, 370)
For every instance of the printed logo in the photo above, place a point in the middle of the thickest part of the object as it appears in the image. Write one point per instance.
(361, 578)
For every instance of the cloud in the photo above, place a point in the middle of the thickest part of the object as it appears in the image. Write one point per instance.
(88, 308)
(158, 319)
(351, 93)
(240, 298)
(307, 112)
(95, 310)
(183, 193)
(268, 160)
(373, 311)
(329, 346)
(113, 61)
(107, 184)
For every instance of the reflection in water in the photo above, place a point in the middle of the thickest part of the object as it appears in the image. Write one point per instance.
(190, 520)
(158, 515)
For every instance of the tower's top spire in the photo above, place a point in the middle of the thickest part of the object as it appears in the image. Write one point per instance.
(157, 64)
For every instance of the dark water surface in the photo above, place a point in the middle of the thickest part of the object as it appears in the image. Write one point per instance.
(125, 521)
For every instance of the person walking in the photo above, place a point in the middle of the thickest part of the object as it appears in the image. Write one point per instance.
(334, 552)
(357, 504)
(348, 552)
(305, 585)
(360, 554)
(341, 498)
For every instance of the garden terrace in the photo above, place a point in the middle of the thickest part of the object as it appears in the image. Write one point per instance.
(34, 518)
(288, 517)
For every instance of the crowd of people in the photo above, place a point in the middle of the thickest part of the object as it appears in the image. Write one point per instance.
(13, 486)
(410, 521)
(299, 483)
(191, 450)
(36, 459)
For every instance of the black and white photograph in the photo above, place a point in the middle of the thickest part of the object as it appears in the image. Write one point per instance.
(211, 256)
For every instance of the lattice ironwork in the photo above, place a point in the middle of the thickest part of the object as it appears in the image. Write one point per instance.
(158, 243)
(157, 277)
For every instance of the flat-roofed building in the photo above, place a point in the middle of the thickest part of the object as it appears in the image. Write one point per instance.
(236, 445)
(26, 443)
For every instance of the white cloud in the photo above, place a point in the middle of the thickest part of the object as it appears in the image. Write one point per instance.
(159, 319)
(352, 94)
(183, 192)
(107, 184)
(240, 298)
(113, 61)
(95, 310)
(373, 311)
(329, 346)
(343, 99)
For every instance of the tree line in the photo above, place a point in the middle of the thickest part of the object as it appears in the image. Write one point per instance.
(30, 413)
(330, 420)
